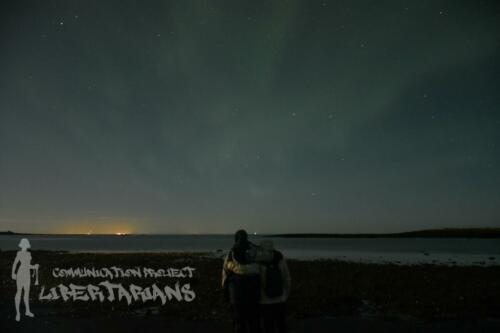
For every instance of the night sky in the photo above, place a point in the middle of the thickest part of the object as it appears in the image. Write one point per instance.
(274, 116)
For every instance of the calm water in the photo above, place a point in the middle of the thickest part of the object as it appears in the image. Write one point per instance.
(411, 250)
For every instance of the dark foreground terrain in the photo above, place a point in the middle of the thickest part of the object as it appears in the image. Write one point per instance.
(311, 325)
(327, 296)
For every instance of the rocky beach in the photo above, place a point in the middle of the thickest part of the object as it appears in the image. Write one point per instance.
(184, 289)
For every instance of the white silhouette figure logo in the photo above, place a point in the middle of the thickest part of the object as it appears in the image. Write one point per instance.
(23, 278)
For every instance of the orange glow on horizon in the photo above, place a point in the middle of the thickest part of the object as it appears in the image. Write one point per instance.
(99, 226)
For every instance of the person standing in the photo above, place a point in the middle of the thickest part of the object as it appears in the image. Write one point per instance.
(242, 286)
(275, 288)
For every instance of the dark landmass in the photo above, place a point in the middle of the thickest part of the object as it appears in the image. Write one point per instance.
(320, 289)
(432, 233)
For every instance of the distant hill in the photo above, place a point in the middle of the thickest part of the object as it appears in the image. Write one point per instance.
(7, 233)
(431, 233)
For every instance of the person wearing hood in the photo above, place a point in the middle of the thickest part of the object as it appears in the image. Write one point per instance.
(275, 288)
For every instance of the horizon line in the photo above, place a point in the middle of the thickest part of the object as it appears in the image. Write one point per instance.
(9, 232)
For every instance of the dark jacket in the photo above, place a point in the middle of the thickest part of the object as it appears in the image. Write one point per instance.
(241, 288)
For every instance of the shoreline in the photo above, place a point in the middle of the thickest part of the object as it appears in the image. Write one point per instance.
(380, 258)
(410, 251)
